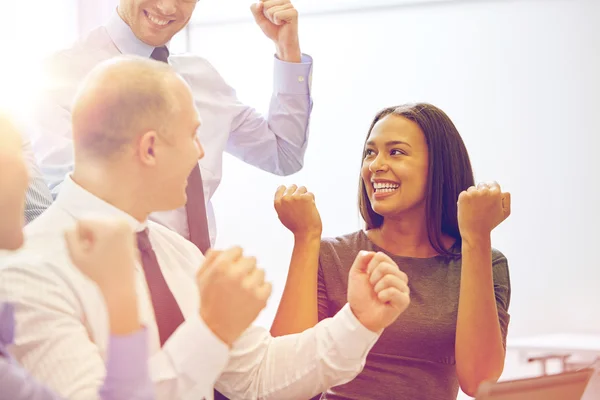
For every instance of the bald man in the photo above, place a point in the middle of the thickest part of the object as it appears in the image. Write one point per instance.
(134, 134)
(112, 271)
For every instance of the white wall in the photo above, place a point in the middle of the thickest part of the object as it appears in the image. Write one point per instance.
(217, 12)
(90, 14)
(30, 30)
(520, 79)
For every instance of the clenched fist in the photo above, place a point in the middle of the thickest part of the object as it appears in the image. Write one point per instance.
(278, 19)
(297, 211)
(105, 251)
(378, 291)
(481, 209)
(233, 292)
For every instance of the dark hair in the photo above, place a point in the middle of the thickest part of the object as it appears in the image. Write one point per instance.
(450, 172)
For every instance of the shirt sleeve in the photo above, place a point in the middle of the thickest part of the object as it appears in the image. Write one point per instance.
(127, 374)
(501, 291)
(276, 143)
(322, 300)
(17, 384)
(52, 139)
(298, 366)
(127, 377)
(55, 345)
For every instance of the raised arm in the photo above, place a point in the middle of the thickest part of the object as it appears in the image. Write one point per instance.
(277, 143)
(331, 353)
(297, 309)
(483, 302)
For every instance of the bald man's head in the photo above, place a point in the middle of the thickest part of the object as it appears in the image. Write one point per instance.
(119, 100)
(135, 134)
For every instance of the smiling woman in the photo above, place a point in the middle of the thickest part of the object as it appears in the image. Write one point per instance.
(423, 215)
(26, 40)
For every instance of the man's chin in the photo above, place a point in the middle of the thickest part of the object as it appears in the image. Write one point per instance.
(149, 36)
(153, 40)
(154, 37)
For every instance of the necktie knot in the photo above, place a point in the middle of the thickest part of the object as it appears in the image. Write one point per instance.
(160, 54)
(143, 240)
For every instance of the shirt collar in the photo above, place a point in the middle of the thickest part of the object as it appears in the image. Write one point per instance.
(124, 38)
(81, 204)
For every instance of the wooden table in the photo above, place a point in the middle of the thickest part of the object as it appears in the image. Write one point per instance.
(573, 350)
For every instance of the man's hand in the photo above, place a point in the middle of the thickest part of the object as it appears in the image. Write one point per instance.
(105, 251)
(278, 20)
(233, 292)
(298, 212)
(377, 290)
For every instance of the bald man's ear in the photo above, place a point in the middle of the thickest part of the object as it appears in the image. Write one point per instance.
(147, 148)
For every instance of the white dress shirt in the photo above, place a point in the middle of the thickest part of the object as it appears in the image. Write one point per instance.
(62, 326)
(275, 144)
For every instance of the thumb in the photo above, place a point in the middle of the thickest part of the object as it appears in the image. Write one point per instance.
(257, 12)
(506, 204)
(87, 233)
(362, 261)
(209, 258)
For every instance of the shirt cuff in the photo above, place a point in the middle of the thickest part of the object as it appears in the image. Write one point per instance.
(293, 78)
(128, 356)
(195, 350)
(354, 340)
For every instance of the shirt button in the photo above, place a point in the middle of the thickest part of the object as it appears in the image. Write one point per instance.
(300, 79)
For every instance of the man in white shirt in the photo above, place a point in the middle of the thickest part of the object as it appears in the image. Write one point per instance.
(134, 138)
(275, 143)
